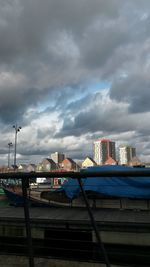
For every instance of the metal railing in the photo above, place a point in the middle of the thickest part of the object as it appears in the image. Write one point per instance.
(75, 175)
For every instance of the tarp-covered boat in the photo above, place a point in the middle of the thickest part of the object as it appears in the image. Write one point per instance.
(102, 192)
(130, 187)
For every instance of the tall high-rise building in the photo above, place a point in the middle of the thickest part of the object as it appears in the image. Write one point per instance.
(126, 154)
(57, 157)
(103, 150)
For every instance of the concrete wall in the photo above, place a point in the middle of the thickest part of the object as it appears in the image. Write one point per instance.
(16, 261)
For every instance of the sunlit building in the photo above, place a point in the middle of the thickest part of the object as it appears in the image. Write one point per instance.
(88, 162)
(126, 154)
(104, 149)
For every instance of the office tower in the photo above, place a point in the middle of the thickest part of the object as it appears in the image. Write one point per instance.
(57, 157)
(104, 149)
(126, 154)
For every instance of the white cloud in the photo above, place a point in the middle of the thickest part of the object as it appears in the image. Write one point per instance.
(50, 54)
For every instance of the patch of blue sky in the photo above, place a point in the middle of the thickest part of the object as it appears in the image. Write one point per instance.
(98, 86)
(74, 93)
(92, 88)
(45, 105)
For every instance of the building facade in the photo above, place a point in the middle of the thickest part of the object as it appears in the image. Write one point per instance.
(47, 165)
(103, 150)
(69, 165)
(57, 157)
(88, 162)
(126, 154)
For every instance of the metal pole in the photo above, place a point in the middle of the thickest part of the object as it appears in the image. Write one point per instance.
(17, 129)
(8, 156)
(15, 148)
(9, 145)
(94, 225)
(25, 183)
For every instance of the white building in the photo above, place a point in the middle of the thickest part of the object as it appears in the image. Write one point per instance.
(126, 154)
(57, 157)
(103, 150)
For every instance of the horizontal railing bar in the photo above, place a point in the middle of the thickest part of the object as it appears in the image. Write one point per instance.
(84, 174)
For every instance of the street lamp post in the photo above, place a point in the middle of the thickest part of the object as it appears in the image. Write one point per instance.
(17, 129)
(10, 144)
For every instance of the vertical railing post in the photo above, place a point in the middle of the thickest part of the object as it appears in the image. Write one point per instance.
(25, 183)
(101, 245)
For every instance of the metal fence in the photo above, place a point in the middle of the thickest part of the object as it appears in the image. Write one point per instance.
(25, 177)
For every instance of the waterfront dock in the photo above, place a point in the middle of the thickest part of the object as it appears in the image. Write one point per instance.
(86, 236)
(66, 234)
(75, 215)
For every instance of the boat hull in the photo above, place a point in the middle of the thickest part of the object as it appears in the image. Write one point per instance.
(17, 199)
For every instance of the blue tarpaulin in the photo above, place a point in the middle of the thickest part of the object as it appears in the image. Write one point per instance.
(130, 187)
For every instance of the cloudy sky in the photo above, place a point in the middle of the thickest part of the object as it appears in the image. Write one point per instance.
(72, 71)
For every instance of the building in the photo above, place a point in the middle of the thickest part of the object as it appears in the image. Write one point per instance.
(69, 165)
(103, 150)
(136, 162)
(111, 161)
(126, 154)
(57, 157)
(31, 167)
(22, 167)
(88, 162)
(47, 165)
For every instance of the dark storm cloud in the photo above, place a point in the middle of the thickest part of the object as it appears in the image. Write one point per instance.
(93, 121)
(26, 25)
(51, 49)
(95, 116)
(33, 45)
(58, 43)
(26, 151)
(14, 102)
(134, 90)
(101, 43)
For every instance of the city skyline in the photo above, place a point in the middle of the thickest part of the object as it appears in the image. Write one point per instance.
(72, 72)
(104, 152)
